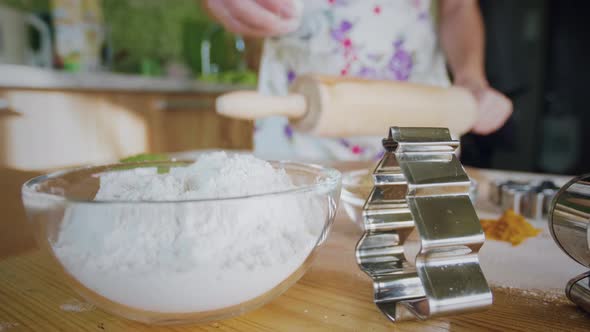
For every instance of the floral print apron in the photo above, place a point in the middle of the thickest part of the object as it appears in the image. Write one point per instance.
(374, 39)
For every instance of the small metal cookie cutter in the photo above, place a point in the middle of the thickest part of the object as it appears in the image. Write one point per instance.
(529, 198)
(421, 197)
(569, 223)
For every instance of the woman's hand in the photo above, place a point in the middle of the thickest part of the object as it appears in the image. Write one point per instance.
(461, 31)
(493, 107)
(494, 110)
(256, 18)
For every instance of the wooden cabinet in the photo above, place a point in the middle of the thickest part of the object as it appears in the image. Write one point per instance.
(45, 129)
(181, 123)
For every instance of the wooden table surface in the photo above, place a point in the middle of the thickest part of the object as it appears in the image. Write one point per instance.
(334, 295)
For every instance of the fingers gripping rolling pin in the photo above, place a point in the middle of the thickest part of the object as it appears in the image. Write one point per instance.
(337, 107)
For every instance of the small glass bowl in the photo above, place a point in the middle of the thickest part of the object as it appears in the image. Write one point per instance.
(133, 291)
(356, 187)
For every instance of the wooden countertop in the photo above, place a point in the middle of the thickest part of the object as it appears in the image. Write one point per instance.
(334, 295)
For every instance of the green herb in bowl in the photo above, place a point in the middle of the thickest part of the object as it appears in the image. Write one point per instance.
(144, 157)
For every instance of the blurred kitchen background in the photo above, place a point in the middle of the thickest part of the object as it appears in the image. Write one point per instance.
(91, 81)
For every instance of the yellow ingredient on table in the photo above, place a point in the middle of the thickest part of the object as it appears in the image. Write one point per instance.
(511, 227)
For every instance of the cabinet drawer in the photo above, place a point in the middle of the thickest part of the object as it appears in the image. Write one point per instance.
(54, 129)
(188, 123)
(58, 129)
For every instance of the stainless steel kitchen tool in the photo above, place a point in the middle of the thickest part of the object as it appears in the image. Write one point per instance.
(421, 197)
(513, 194)
(537, 204)
(529, 198)
(569, 223)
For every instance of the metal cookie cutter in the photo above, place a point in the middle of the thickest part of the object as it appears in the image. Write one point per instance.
(529, 198)
(420, 185)
(569, 223)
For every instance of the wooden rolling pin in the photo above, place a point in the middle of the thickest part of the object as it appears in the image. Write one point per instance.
(340, 107)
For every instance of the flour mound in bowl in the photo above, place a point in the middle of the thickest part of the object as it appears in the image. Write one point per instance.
(190, 256)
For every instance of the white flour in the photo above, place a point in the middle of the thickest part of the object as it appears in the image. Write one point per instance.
(76, 306)
(7, 326)
(190, 256)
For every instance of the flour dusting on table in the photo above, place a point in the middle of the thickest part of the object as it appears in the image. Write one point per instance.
(76, 306)
(5, 326)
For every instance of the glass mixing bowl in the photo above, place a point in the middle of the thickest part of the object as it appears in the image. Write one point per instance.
(132, 259)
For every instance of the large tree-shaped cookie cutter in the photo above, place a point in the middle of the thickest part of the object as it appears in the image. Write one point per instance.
(421, 197)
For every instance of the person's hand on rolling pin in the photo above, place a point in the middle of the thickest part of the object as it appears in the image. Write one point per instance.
(256, 18)
(461, 34)
(493, 107)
